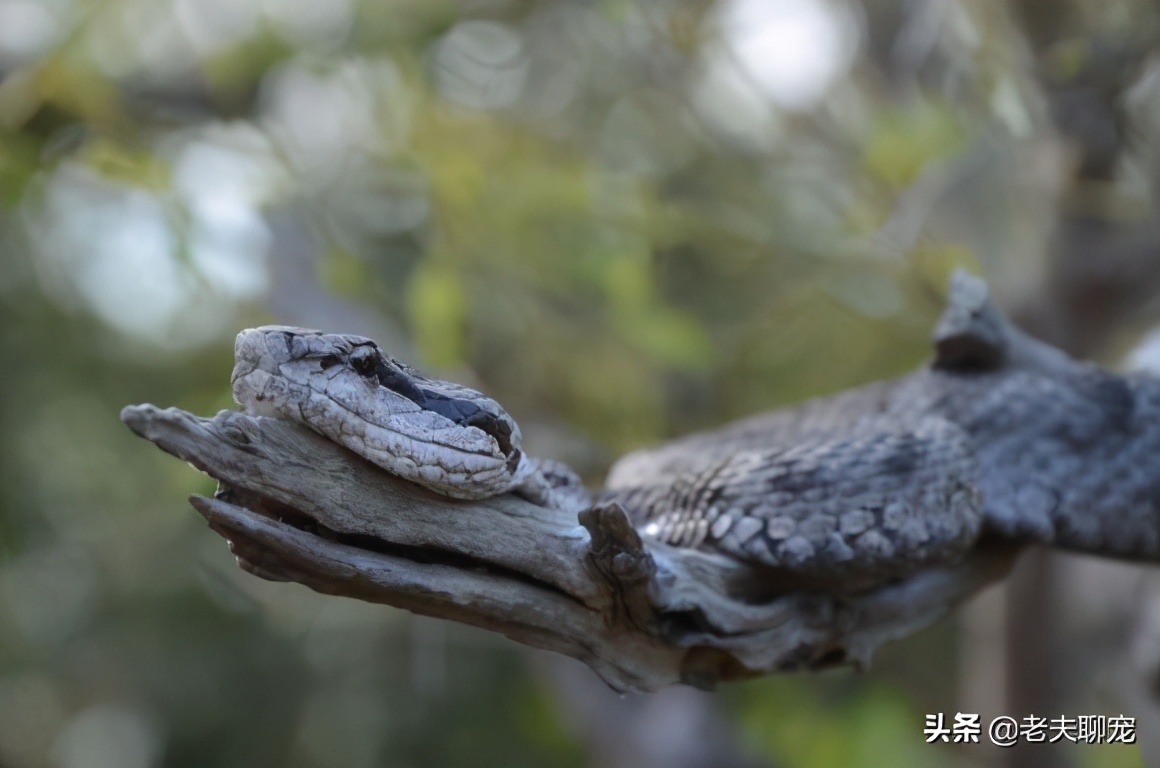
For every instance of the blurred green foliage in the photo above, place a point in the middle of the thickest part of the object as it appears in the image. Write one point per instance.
(600, 212)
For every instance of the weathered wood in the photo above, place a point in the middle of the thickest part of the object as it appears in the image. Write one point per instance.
(296, 507)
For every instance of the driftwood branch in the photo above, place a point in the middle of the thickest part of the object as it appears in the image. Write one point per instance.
(296, 507)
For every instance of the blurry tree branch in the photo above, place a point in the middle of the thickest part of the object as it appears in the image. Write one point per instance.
(1104, 269)
(1102, 274)
(296, 507)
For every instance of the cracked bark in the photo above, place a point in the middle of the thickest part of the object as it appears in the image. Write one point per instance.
(644, 616)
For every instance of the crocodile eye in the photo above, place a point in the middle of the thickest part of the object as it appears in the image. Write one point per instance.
(328, 362)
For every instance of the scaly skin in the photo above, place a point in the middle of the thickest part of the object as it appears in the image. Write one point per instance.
(433, 432)
(1000, 436)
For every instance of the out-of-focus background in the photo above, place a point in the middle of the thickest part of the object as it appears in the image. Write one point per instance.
(625, 220)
